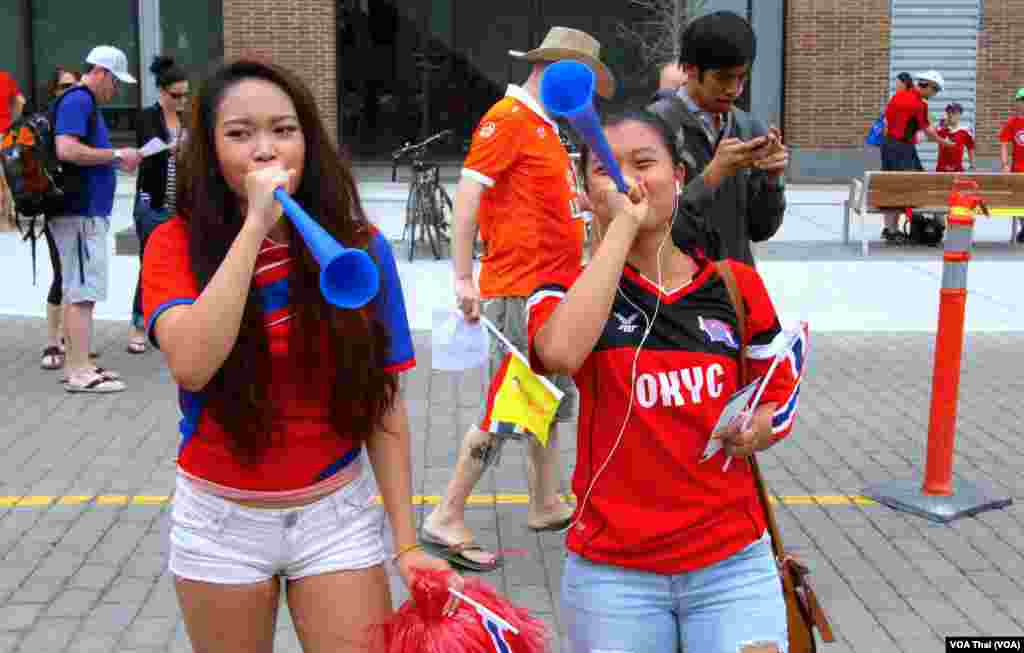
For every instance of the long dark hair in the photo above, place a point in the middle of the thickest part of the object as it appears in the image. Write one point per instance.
(58, 72)
(361, 392)
(167, 71)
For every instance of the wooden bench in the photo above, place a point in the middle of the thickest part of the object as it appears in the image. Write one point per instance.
(929, 192)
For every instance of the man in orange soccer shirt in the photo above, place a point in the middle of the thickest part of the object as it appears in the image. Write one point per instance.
(1012, 136)
(518, 185)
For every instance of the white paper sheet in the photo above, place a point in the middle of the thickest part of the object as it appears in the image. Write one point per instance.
(733, 409)
(154, 146)
(456, 344)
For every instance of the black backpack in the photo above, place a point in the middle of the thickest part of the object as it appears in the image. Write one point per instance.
(40, 183)
(924, 230)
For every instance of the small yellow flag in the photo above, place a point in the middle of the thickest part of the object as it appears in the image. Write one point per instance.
(519, 401)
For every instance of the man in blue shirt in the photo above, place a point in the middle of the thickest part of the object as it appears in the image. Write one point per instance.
(81, 228)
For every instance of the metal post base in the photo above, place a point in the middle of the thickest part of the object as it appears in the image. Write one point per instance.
(967, 499)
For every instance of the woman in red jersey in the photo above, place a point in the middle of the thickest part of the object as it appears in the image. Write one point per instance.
(281, 393)
(666, 552)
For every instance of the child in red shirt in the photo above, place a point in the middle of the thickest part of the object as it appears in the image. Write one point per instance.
(1013, 132)
(951, 158)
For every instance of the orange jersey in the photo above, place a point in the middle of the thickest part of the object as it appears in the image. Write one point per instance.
(529, 217)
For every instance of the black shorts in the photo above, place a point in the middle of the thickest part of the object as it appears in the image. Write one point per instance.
(900, 156)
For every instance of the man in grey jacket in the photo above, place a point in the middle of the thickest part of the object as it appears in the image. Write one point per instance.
(736, 163)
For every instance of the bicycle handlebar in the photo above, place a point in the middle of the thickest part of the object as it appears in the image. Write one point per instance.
(408, 148)
(399, 153)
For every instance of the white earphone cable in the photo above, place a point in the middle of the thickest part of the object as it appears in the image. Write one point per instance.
(636, 358)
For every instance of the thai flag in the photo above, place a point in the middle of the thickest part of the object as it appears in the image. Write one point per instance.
(497, 633)
(495, 626)
(795, 355)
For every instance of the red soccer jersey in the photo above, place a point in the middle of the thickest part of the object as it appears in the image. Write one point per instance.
(8, 91)
(306, 449)
(1013, 132)
(655, 507)
(906, 113)
(951, 159)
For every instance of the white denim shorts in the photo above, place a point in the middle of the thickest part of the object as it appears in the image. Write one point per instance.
(218, 541)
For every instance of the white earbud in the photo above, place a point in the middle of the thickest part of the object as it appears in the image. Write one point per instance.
(679, 188)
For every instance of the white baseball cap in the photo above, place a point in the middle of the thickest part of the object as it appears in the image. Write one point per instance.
(109, 57)
(932, 76)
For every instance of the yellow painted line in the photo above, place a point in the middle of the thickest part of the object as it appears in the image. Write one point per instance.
(143, 500)
(34, 502)
(418, 500)
(75, 500)
(111, 500)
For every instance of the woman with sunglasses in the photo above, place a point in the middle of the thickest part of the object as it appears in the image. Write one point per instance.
(63, 79)
(156, 186)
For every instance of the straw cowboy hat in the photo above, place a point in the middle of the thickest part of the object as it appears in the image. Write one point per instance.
(568, 43)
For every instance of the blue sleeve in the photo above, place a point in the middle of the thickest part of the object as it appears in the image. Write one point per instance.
(73, 115)
(390, 307)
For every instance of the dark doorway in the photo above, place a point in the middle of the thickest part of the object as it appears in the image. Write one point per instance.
(402, 76)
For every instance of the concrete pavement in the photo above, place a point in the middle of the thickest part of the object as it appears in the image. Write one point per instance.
(85, 480)
(84, 485)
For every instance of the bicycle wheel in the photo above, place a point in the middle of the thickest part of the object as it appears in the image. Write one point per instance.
(428, 218)
(446, 213)
(412, 208)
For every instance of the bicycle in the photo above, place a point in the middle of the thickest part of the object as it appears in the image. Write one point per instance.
(428, 204)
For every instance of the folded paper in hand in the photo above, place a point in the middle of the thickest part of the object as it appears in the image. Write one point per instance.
(456, 344)
(154, 146)
(732, 411)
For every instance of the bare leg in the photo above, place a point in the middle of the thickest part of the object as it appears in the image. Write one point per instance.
(229, 618)
(892, 221)
(448, 519)
(78, 327)
(544, 477)
(326, 622)
(54, 312)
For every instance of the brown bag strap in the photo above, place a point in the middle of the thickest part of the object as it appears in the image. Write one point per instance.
(741, 317)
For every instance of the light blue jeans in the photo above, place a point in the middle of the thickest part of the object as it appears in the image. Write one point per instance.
(718, 609)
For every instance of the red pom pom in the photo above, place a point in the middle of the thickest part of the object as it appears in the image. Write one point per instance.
(419, 626)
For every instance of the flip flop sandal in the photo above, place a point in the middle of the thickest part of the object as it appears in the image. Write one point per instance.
(109, 375)
(556, 526)
(53, 358)
(97, 385)
(136, 347)
(453, 553)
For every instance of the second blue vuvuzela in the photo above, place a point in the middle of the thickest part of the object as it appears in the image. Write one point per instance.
(348, 277)
(567, 90)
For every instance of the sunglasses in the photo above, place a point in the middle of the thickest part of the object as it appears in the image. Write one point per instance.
(925, 85)
(178, 96)
(65, 86)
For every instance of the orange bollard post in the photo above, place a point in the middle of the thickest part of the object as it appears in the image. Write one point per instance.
(949, 342)
(940, 498)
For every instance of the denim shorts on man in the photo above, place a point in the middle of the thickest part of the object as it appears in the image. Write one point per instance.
(718, 609)
(214, 540)
(84, 258)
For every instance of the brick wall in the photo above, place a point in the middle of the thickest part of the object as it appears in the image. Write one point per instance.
(1000, 70)
(837, 71)
(298, 35)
